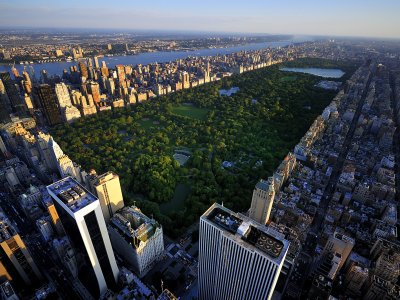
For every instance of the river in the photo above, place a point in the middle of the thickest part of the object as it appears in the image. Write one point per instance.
(56, 68)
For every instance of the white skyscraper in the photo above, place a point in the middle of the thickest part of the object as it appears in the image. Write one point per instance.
(238, 258)
(83, 221)
(63, 95)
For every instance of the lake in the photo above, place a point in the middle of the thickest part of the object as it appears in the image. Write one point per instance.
(56, 68)
(326, 73)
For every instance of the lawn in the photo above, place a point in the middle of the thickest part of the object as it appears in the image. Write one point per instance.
(190, 111)
(288, 78)
(147, 123)
(177, 202)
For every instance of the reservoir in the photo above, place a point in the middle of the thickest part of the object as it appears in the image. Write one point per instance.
(326, 73)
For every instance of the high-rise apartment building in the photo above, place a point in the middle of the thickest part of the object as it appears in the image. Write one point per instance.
(15, 257)
(136, 238)
(13, 94)
(108, 189)
(261, 203)
(238, 257)
(84, 70)
(94, 90)
(49, 103)
(83, 221)
(63, 96)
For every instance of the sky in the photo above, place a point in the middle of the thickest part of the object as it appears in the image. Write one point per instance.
(371, 18)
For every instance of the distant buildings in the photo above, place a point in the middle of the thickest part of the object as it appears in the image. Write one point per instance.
(136, 238)
(238, 258)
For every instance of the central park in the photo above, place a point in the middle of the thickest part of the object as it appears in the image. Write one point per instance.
(177, 154)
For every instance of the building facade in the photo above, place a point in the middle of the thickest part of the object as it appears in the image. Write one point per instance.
(84, 224)
(238, 258)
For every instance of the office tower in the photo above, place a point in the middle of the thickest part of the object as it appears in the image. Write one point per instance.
(7, 291)
(263, 198)
(15, 256)
(238, 258)
(108, 189)
(83, 69)
(136, 238)
(96, 62)
(63, 96)
(13, 94)
(109, 47)
(48, 101)
(83, 222)
(341, 244)
(94, 90)
(126, 48)
(110, 86)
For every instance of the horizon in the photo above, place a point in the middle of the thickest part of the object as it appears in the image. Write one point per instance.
(365, 19)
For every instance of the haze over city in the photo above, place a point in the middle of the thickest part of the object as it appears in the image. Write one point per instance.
(312, 17)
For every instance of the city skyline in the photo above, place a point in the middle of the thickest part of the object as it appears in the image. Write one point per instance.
(358, 18)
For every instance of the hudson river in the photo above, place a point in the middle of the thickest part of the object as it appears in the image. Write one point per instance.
(53, 68)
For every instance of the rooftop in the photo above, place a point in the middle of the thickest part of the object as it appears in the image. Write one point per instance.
(133, 223)
(71, 193)
(248, 232)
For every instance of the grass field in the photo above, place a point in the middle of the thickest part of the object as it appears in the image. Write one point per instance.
(147, 123)
(177, 202)
(190, 112)
(288, 78)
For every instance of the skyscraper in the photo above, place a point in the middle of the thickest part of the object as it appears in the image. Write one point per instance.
(238, 258)
(83, 221)
(48, 101)
(63, 96)
(14, 96)
(263, 198)
(83, 69)
(94, 90)
(108, 189)
(15, 256)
